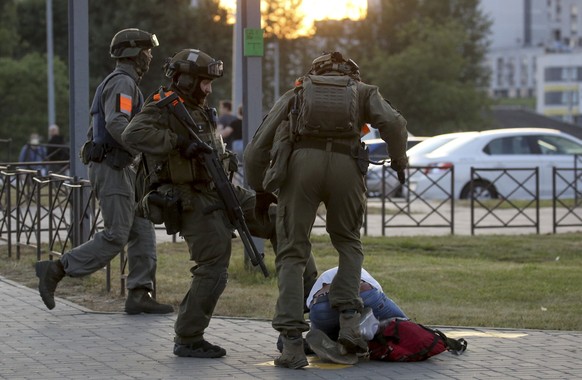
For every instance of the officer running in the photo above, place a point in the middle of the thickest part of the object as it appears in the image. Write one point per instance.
(113, 179)
(327, 163)
(190, 202)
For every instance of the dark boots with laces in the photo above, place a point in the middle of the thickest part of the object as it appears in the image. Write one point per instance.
(293, 355)
(350, 337)
(201, 349)
(327, 349)
(49, 274)
(139, 301)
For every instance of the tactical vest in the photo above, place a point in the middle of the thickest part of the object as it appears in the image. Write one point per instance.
(328, 107)
(100, 133)
(179, 170)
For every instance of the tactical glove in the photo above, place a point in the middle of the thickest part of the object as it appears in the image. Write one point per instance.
(191, 149)
(399, 166)
(264, 199)
(182, 145)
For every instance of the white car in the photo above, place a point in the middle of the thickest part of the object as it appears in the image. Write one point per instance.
(392, 186)
(519, 148)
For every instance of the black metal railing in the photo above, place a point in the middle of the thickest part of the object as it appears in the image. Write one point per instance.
(505, 211)
(405, 206)
(566, 198)
(54, 213)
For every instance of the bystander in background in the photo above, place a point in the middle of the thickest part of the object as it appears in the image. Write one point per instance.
(225, 116)
(57, 150)
(232, 134)
(33, 152)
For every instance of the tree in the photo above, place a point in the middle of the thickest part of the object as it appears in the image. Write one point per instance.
(426, 79)
(23, 104)
(281, 23)
(9, 36)
(427, 57)
(177, 27)
(32, 28)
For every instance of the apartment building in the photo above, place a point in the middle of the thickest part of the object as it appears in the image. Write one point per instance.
(524, 30)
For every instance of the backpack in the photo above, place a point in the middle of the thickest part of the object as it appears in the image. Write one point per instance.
(402, 340)
(328, 106)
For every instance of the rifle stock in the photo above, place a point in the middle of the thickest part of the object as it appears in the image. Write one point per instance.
(224, 187)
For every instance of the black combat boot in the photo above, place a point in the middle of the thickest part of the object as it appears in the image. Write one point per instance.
(350, 336)
(139, 301)
(201, 349)
(293, 355)
(49, 274)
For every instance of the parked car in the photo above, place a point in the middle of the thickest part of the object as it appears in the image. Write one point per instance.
(419, 146)
(379, 150)
(520, 148)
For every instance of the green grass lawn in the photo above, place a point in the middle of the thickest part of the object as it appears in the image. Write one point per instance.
(520, 281)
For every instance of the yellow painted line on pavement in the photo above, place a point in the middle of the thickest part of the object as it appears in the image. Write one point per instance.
(489, 334)
(314, 362)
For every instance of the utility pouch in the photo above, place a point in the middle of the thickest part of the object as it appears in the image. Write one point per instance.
(212, 114)
(163, 208)
(363, 158)
(86, 151)
(280, 155)
(98, 152)
(118, 158)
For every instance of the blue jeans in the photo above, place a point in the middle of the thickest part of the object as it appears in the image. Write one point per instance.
(326, 319)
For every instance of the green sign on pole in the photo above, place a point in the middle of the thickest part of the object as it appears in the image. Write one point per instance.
(253, 42)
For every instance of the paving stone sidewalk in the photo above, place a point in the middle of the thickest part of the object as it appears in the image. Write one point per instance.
(71, 342)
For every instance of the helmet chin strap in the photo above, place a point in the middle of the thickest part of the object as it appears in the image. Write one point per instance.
(141, 64)
(198, 94)
(190, 91)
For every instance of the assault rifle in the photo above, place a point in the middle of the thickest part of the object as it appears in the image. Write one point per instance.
(215, 170)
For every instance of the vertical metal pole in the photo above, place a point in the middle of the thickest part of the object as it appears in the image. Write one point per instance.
(252, 93)
(252, 75)
(50, 59)
(78, 101)
(237, 54)
(276, 70)
(79, 81)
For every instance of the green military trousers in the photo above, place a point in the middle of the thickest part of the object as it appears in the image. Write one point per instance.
(115, 190)
(315, 176)
(209, 240)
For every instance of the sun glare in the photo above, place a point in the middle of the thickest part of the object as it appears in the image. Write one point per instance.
(316, 10)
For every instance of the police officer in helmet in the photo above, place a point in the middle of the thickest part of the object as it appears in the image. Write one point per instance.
(177, 176)
(113, 178)
(134, 46)
(323, 116)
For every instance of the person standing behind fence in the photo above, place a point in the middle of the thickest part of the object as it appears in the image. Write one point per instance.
(327, 163)
(233, 136)
(113, 179)
(225, 116)
(32, 151)
(56, 152)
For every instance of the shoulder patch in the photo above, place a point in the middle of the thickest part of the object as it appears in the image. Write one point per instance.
(123, 104)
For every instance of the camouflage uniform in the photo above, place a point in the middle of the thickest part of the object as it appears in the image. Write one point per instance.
(113, 179)
(317, 174)
(115, 190)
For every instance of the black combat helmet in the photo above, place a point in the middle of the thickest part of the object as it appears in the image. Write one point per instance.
(188, 68)
(194, 63)
(334, 61)
(128, 43)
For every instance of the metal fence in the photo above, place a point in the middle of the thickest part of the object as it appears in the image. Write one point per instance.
(516, 203)
(55, 213)
(51, 214)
